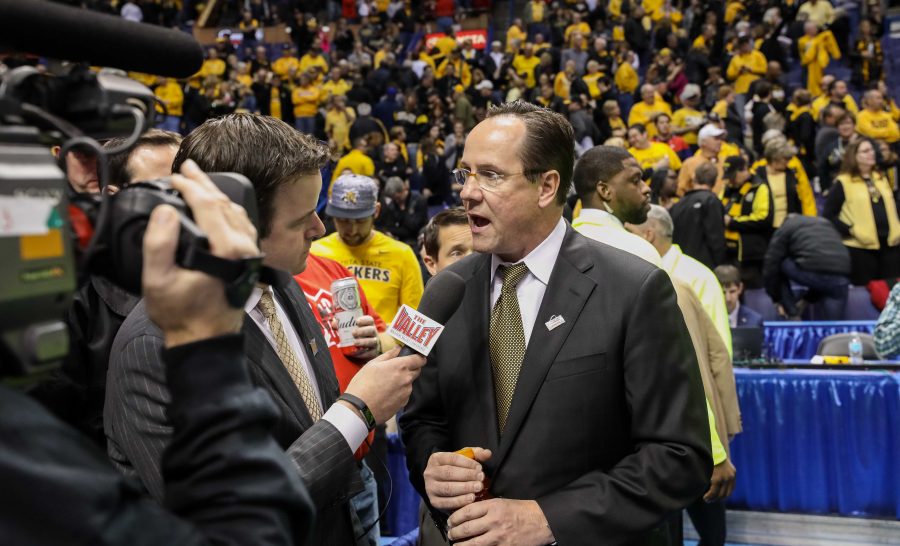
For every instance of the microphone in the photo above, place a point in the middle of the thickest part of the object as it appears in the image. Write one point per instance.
(420, 328)
(62, 32)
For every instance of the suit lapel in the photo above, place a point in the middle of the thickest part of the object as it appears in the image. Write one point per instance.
(477, 313)
(261, 354)
(310, 336)
(566, 294)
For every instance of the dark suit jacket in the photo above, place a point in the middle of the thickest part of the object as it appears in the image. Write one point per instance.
(607, 430)
(138, 428)
(748, 318)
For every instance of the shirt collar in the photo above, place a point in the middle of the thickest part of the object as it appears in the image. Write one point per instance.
(733, 316)
(254, 298)
(541, 260)
(600, 218)
(670, 259)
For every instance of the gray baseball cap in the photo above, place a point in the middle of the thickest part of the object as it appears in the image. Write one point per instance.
(352, 196)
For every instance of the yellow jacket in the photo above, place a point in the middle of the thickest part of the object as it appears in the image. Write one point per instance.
(754, 61)
(856, 212)
(804, 188)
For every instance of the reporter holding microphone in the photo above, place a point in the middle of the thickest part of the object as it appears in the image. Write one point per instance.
(62, 490)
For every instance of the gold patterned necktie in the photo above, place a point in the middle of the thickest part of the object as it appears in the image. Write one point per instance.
(288, 356)
(507, 340)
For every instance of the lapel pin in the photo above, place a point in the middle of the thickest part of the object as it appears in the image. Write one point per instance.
(554, 322)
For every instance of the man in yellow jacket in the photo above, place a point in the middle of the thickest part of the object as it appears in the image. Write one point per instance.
(874, 121)
(747, 66)
(817, 49)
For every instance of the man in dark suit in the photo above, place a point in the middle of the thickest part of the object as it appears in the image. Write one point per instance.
(283, 344)
(548, 369)
(739, 316)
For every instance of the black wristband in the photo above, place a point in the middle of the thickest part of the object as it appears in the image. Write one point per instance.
(362, 407)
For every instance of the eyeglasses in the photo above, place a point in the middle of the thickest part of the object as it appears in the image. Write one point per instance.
(486, 180)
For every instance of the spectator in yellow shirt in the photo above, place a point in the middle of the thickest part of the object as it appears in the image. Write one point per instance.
(818, 12)
(357, 162)
(387, 270)
(651, 155)
(171, 95)
(562, 84)
(515, 32)
(336, 84)
(578, 26)
(306, 103)
(288, 64)
(626, 76)
(314, 59)
(463, 72)
(747, 66)
(650, 105)
(524, 65)
(687, 120)
(338, 120)
(874, 121)
(213, 65)
(816, 51)
(835, 93)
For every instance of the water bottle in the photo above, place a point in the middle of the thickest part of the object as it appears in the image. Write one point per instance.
(855, 349)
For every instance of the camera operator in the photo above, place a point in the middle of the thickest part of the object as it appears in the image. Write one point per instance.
(250, 494)
(77, 391)
(284, 346)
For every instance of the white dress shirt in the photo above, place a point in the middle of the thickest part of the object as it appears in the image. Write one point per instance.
(348, 423)
(530, 290)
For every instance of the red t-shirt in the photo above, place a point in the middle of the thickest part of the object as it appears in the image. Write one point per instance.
(315, 282)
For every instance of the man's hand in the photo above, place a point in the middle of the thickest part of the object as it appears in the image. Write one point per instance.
(385, 383)
(452, 480)
(722, 483)
(365, 337)
(500, 522)
(189, 305)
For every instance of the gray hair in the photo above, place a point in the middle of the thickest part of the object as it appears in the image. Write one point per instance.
(393, 186)
(659, 220)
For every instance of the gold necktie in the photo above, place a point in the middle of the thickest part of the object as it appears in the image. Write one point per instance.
(507, 340)
(289, 357)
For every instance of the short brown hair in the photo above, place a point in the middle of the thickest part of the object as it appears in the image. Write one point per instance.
(431, 234)
(549, 142)
(706, 174)
(727, 275)
(266, 150)
(849, 165)
(119, 175)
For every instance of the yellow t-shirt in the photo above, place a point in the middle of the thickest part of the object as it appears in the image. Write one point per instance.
(644, 113)
(173, 97)
(337, 124)
(562, 85)
(626, 78)
(524, 67)
(822, 101)
(687, 117)
(308, 61)
(591, 81)
(581, 27)
(387, 270)
(754, 61)
(878, 125)
(212, 67)
(514, 33)
(283, 66)
(357, 162)
(306, 101)
(651, 155)
(339, 87)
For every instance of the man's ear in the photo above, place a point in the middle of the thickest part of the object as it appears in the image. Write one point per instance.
(549, 185)
(430, 264)
(377, 210)
(604, 191)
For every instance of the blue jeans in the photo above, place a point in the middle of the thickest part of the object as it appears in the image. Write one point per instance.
(365, 504)
(829, 291)
(306, 125)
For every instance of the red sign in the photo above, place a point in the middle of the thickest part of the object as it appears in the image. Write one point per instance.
(478, 37)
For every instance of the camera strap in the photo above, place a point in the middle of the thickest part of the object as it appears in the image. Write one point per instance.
(239, 276)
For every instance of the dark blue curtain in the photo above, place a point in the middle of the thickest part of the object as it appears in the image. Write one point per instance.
(799, 340)
(818, 442)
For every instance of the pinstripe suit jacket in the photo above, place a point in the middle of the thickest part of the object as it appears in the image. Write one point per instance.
(138, 429)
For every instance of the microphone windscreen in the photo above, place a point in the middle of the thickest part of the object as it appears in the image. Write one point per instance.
(442, 297)
(67, 33)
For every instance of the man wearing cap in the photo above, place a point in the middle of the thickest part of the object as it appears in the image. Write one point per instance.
(485, 96)
(710, 140)
(387, 269)
(687, 120)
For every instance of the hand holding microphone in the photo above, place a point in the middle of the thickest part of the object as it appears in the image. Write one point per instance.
(385, 383)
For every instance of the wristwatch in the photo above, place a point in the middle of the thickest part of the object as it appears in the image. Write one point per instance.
(362, 407)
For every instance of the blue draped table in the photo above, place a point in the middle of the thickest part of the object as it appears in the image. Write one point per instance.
(799, 340)
(815, 442)
(818, 442)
